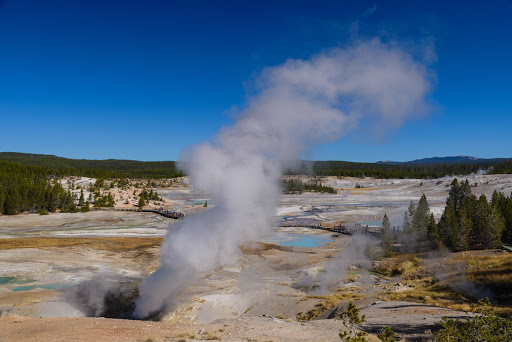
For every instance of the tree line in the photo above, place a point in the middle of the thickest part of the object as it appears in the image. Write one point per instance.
(110, 168)
(114, 168)
(34, 189)
(400, 171)
(296, 186)
(26, 188)
(468, 222)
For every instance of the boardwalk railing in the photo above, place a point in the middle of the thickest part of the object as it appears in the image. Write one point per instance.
(347, 230)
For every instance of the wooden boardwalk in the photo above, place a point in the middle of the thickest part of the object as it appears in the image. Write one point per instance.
(162, 212)
(347, 230)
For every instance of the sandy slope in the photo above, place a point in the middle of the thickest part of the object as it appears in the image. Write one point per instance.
(407, 319)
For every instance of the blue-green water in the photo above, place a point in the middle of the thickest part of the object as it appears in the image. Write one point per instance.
(55, 286)
(374, 224)
(24, 288)
(15, 280)
(52, 286)
(305, 241)
(6, 280)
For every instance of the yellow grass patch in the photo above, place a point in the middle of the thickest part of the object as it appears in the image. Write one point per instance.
(99, 243)
(489, 270)
(259, 247)
(428, 291)
(404, 265)
(327, 302)
(210, 336)
(492, 270)
(184, 335)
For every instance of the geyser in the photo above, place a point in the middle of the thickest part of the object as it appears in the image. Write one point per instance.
(298, 104)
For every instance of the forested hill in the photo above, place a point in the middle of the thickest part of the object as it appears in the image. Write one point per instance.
(95, 168)
(28, 188)
(448, 160)
(115, 168)
(422, 170)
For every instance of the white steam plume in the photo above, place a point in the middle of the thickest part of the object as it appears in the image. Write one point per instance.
(299, 103)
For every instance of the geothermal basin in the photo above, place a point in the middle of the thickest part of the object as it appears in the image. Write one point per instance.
(283, 275)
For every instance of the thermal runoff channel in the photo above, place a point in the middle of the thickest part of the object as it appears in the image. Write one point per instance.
(297, 105)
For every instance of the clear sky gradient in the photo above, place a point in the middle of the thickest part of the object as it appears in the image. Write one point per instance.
(142, 80)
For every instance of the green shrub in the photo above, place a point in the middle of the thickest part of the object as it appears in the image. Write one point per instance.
(485, 326)
(350, 319)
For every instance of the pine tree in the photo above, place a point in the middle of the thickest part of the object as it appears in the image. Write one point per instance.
(406, 225)
(12, 202)
(2, 199)
(141, 203)
(81, 201)
(386, 236)
(411, 211)
(448, 225)
(85, 207)
(463, 234)
(110, 200)
(456, 224)
(459, 193)
(503, 205)
(420, 221)
(72, 205)
(52, 199)
(433, 236)
(488, 225)
(406, 234)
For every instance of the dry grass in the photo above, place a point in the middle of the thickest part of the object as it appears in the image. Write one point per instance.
(99, 243)
(326, 302)
(183, 335)
(490, 271)
(426, 290)
(404, 265)
(415, 271)
(210, 336)
(259, 248)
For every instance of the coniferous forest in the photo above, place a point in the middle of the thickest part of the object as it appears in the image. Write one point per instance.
(403, 170)
(296, 186)
(28, 182)
(468, 222)
(113, 168)
(29, 188)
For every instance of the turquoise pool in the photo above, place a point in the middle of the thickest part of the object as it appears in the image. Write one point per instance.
(52, 286)
(302, 240)
(15, 280)
(371, 224)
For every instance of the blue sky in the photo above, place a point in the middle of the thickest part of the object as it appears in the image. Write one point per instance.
(145, 79)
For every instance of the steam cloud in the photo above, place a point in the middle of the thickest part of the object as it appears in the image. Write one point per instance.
(102, 295)
(298, 104)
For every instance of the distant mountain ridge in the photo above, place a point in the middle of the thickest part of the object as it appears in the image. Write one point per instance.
(445, 160)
